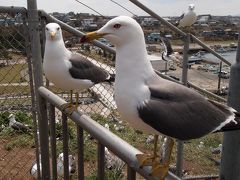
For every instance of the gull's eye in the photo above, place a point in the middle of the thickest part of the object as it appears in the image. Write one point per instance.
(117, 26)
(46, 28)
(58, 28)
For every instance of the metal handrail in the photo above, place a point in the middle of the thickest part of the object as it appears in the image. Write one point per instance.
(108, 139)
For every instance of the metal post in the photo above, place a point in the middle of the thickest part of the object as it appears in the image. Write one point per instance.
(38, 81)
(230, 162)
(101, 161)
(219, 78)
(185, 59)
(180, 144)
(131, 174)
(33, 98)
(52, 124)
(80, 143)
(65, 147)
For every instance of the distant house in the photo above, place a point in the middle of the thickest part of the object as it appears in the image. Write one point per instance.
(89, 24)
(149, 21)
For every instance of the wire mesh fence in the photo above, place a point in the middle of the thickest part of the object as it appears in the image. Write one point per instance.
(16, 133)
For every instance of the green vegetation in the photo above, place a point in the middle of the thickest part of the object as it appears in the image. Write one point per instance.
(14, 138)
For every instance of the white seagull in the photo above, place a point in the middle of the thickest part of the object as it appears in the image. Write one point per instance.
(188, 19)
(71, 165)
(168, 54)
(67, 70)
(153, 104)
(13, 123)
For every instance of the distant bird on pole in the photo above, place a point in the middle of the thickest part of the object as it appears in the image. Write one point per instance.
(187, 19)
(155, 105)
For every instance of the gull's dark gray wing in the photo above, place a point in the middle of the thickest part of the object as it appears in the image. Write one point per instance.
(179, 112)
(179, 18)
(82, 68)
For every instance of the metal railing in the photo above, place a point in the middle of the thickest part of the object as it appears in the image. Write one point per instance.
(104, 138)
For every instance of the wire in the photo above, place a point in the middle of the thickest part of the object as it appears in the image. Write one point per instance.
(89, 8)
(123, 7)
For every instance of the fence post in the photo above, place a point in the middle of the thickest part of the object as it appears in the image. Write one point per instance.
(180, 144)
(38, 81)
(230, 162)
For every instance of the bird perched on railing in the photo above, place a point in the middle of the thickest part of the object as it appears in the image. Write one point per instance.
(153, 104)
(67, 70)
(187, 19)
(60, 165)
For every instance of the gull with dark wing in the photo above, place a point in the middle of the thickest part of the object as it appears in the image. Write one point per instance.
(155, 105)
(67, 70)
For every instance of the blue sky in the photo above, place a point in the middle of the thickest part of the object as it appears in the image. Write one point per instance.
(161, 7)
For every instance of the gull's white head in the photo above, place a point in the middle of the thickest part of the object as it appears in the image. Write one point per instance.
(118, 31)
(53, 32)
(191, 7)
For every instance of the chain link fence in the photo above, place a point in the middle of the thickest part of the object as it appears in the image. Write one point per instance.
(16, 142)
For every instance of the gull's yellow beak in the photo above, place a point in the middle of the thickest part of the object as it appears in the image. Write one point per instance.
(52, 35)
(91, 36)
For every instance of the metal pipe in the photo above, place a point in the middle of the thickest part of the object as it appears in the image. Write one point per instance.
(52, 125)
(131, 174)
(101, 161)
(80, 145)
(65, 147)
(118, 146)
(230, 161)
(185, 60)
(33, 22)
(180, 145)
(179, 162)
(219, 77)
(33, 98)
